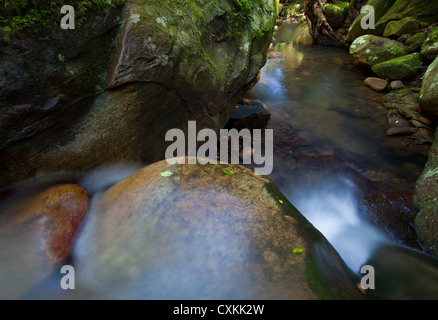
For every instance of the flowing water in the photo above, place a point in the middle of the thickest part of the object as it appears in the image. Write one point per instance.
(330, 149)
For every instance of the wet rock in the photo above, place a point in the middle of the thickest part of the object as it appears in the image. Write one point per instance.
(429, 92)
(394, 214)
(36, 234)
(187, 58)
(201, 233)
(253, 115)
(423, 136)
(405, 67)
(403, 146)
(369, 50)
(407, 98)
(401, 131)
(376, 84)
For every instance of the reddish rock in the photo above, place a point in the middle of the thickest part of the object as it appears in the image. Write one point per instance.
(36, 234)
(394, 214)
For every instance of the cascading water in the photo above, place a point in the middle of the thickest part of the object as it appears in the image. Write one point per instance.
(333, 209)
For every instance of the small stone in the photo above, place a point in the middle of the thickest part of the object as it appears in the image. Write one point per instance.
(396, 84)
(376, 84)
(401, 131)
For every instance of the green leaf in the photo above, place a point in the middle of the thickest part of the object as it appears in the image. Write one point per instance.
(228, 172)
(166, 174)
(297, 250)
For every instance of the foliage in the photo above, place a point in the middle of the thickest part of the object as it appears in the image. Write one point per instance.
(20, 16)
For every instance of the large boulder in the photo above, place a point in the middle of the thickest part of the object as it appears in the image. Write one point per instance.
(191, 61)
(37, 233)
(426, 200)
(192, 231)
(369, 50)
(405, 67)
(429, 91)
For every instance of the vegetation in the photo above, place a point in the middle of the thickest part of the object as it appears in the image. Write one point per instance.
(20, 16)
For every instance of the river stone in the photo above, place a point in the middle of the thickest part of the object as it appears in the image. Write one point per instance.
(414, 42)
(37, 233)
(369, 50)
(192, 231)
(405, 67)
(429, 92)
(376, 84)
(398, 28)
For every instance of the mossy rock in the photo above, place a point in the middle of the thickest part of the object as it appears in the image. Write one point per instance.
(198, 232)
(369, 50)
(398, 28)
(425, 11)
(404, 67)
(429, 48)
(429, 91)
(302, 35)
(414, 42)
(335, 13)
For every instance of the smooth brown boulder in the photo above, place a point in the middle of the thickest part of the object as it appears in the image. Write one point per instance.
(195, 231)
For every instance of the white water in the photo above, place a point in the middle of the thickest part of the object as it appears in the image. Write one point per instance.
(333, 209)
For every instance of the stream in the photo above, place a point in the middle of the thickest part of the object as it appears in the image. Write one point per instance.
(330, 149)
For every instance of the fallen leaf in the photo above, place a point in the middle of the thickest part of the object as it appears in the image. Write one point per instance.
(297, 250)
(281, 201)
(228, 172)
(291, 219)
(166, 174)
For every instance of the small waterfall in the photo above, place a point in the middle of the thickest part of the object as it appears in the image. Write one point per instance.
(333, 209)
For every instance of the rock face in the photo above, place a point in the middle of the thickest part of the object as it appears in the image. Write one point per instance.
(147, 61)
(429, 91)
(36, 234)
(198, 232)
(369, 50)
